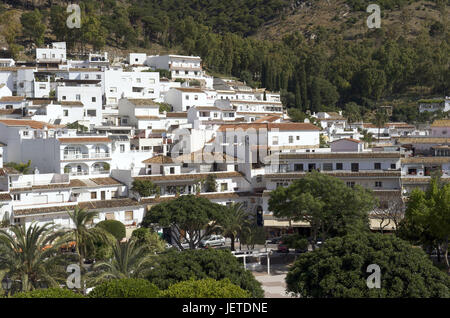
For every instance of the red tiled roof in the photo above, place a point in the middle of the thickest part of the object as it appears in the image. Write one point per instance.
(30, 123)
(12, 99)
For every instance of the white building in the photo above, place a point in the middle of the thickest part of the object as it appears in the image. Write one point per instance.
(183, 98)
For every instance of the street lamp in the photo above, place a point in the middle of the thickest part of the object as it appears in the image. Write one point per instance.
(6, 284)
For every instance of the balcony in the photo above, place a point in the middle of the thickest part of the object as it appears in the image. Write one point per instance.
(81, 156)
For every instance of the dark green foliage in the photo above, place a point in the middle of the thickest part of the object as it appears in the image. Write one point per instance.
(205, 288)
(295, 241)
(338, 269)
(116, 228)
(145, 188)
(33, 26)
(21, 167)
(174, 266)
(101, 248)
(331, 207)
(210, 183)
(148, 238)
(49, 293)
(125, 288)
(193, 215)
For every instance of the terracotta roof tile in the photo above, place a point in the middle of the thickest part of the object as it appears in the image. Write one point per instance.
(271, 126)
(426, 160)
(159, 160)
(12, 99)
(441, 123)
(105, 181)
(30, 123)
(176, 115)
(336, 155)
(147, 102)
(5, 197)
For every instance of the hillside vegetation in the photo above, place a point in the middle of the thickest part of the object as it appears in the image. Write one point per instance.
(319, 54)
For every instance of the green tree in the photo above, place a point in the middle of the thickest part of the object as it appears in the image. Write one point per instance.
(82, 233)
(23, 168)
(116, 228)
(252, 235)
(145, 188)
(352, 112)
(427, 217)
(27, 255)
(33, 26)
(330, 207)
(381, 117)
(173, 267)
(233, 221)
(54, 292)
(205, 288)
(210, 183)
(338, 269)
(129, 261)
(149, 239)
(194, 216)
(125, 288)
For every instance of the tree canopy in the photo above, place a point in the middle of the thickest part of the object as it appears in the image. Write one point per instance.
(331, 207)
(339, 269)
(205, 288)
(194, 216)
(174, 266)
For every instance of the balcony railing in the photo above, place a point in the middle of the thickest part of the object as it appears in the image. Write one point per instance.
(100, 171)
(77, 156)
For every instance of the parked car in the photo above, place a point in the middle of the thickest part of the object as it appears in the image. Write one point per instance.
(274, 240)
(282, 248)
(213, 240)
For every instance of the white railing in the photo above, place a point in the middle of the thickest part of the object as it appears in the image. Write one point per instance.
(79, 173)
(100, 172)
(97, 155)
(72, 156)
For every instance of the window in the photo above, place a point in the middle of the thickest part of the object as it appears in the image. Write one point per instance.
(350, 184)
(298, 137)
(16, 197)
(64, 98)
(128, 215)
(298, 167)
(196, 97)
(42, 86)
(311, 167)
(78, 97)
(327, 166)
(172, 170)
(275, 140)
(377, 166)
(109, 216)
(94, 99)
(122, 148)
(339, 166)
(25, 133)
(91, 112)
(99, 76)
(223, 187)
(393, 166)
(93, 195)
(114, 194)
(378, 184)
(291, 139)
(150, 91)
(86, 76)
(113, 89)
(65, 112)
(259, 178)
(355, 167)
(215, 115)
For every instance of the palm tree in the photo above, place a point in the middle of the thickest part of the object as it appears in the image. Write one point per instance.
(381, 117)
(367, 137)
(130, 260)
(82, 233)
(233, 221)
(28, 254)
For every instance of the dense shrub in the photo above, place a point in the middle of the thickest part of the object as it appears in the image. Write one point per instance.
(174, 266)
(114, 227)
(339, 269)
(205, 288)
(125, 288)
(49, 293)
